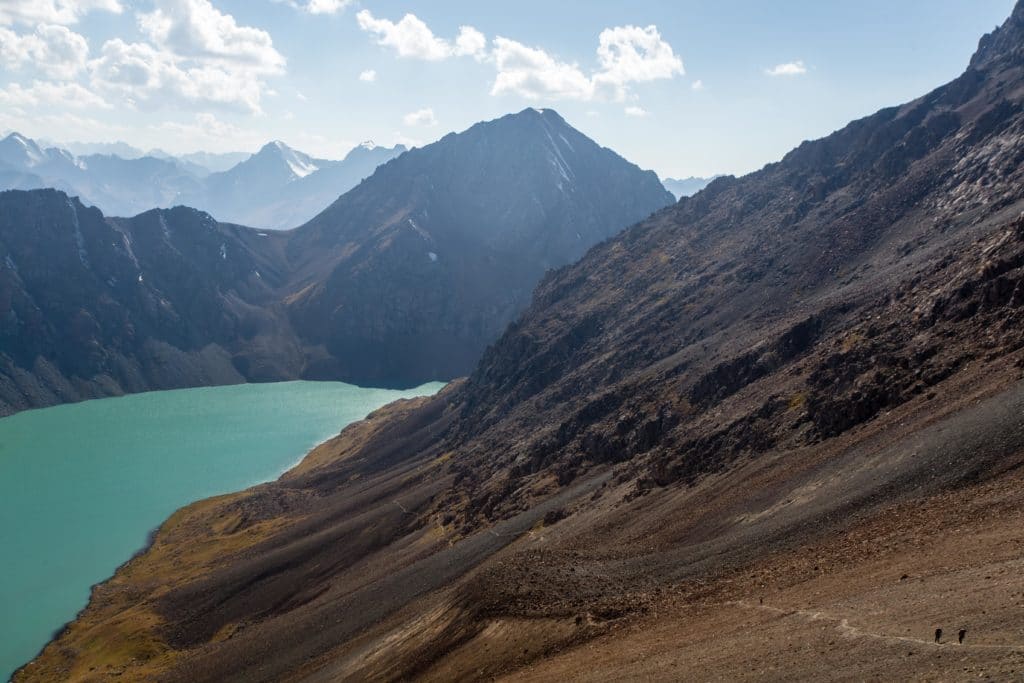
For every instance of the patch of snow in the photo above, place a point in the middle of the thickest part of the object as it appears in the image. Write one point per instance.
(10, 263)
(262, 234)
(140, 277)
(301, 168)
(128, 249)
(557, 158)
(83, 255)
(224, 252)
(258, 274)
(33, 153)
(432, 256)
(418, 230)
(164, 227)
(300, 164)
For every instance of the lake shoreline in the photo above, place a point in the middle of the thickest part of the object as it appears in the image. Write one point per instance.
(25, 422)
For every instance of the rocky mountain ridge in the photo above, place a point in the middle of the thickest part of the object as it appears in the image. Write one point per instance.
(687, 187)
(277, 188)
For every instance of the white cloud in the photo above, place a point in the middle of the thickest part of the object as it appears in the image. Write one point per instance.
(317, 6)
(198, 55)
(48, 94)
(148, 77)
(410, 37)
(35, 12)
(470, 43)
(53, 50)
(533, 73)
(196, 29)
(326, 6)
(71, 126)
(626, 55)
(796, 68)
(368, 76)
(638, 112)
(421, 117)
(697, 85)
(630, 54)
(209, 133)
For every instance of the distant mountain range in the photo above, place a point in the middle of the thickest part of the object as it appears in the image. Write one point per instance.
(405, 278)
(276, 188)
(686, 187)
(280, 187)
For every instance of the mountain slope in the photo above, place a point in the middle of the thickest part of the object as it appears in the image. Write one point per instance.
(411, 274)
(344, 297)
(772, 431)
(91, 306)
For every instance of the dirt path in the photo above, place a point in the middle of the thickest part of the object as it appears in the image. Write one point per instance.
(843, 625)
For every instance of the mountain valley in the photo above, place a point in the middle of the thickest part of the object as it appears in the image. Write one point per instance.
(770, 431)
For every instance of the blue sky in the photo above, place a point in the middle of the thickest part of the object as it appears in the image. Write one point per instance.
(684, 87)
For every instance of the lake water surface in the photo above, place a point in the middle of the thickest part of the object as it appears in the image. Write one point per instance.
(81, 485)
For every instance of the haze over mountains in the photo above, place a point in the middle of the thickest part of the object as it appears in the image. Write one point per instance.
(404, 279)
(276, 188)
(280, 187)
(770, 431)
(686, 187)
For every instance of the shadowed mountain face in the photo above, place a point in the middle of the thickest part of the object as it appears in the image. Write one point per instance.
(414, 272)
(91, 306)
(405, 279)
(784, 410)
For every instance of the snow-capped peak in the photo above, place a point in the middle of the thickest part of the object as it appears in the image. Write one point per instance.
(28, 152)
(301, 165)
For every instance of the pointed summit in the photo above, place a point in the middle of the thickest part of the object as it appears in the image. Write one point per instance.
(1005, 45)
(277, 158)
(458, 231)
(20, 152)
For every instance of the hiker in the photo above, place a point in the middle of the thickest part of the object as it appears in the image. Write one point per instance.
(938, 635)
(960, 636)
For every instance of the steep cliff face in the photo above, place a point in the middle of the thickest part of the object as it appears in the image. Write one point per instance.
(773, 428)
(91, 306)
(413, 273)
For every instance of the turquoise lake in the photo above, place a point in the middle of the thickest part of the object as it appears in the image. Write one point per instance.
(82, 485)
